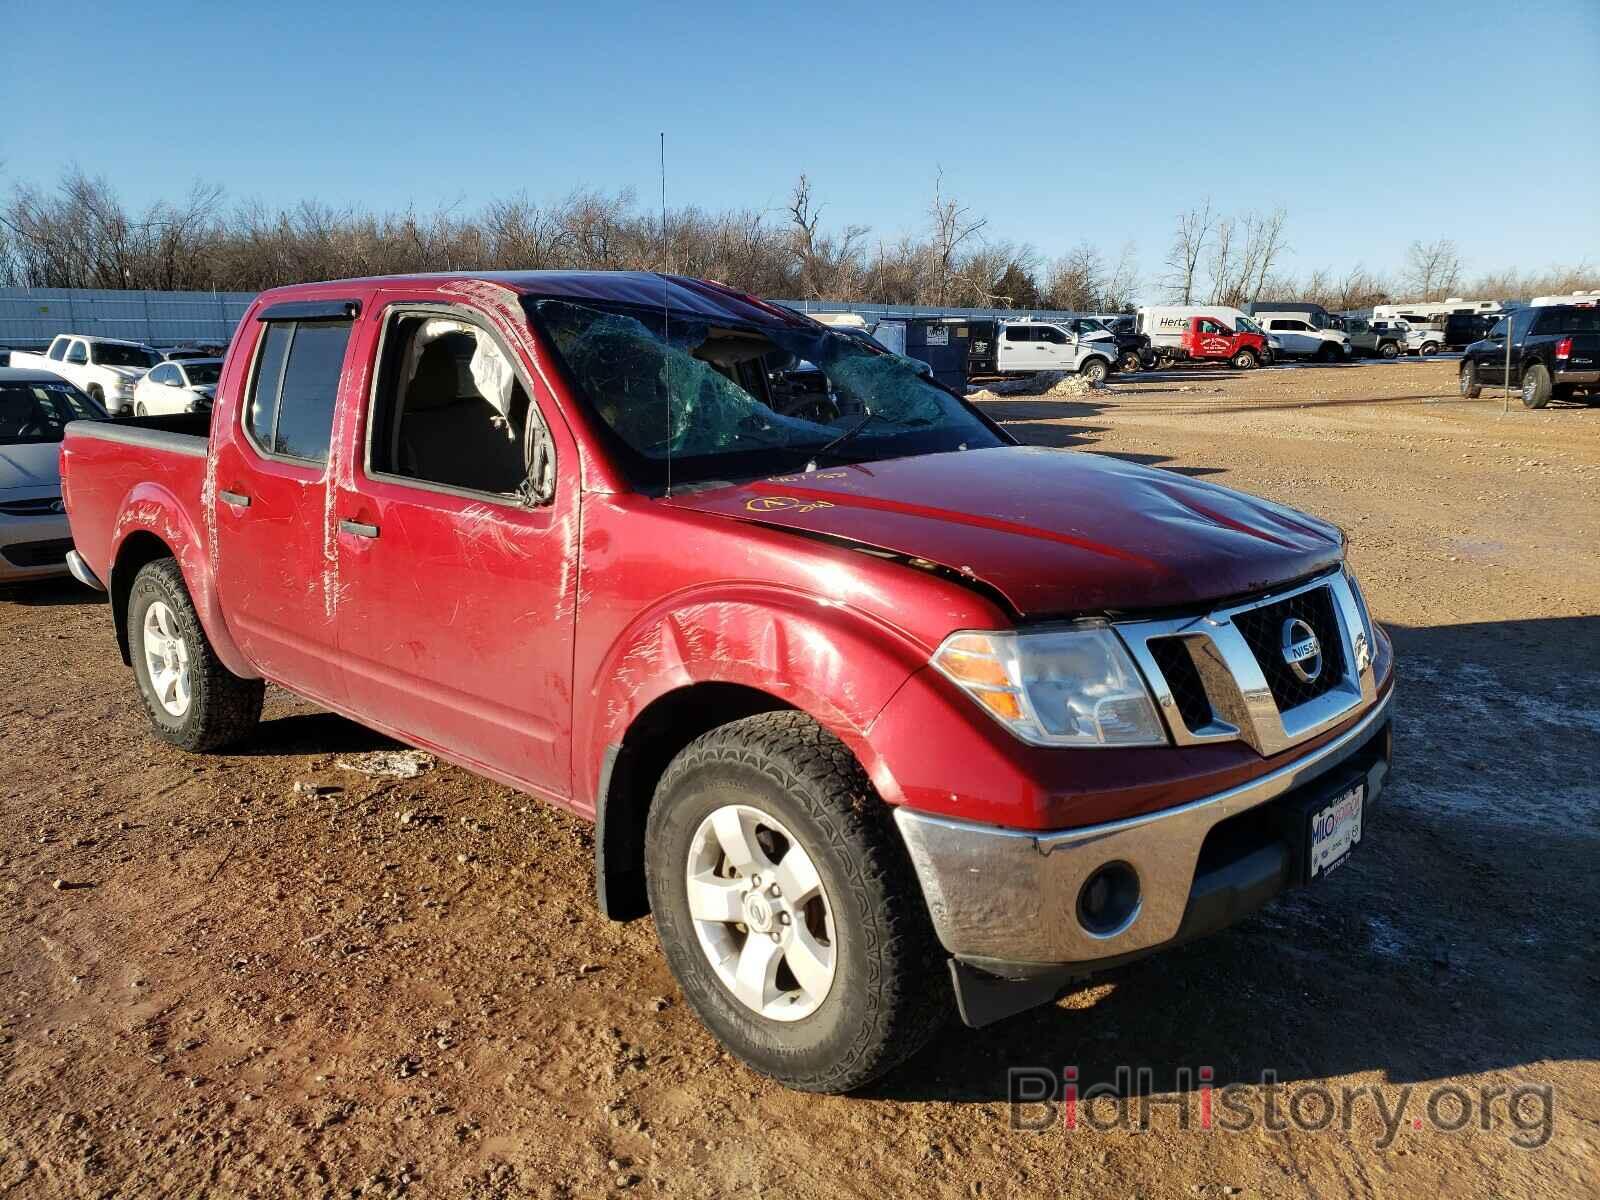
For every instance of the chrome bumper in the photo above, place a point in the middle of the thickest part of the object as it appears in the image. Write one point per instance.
(81, 572)
(1011, 896)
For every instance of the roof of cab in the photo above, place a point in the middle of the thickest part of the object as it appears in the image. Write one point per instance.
(681, 293)
(28, 375)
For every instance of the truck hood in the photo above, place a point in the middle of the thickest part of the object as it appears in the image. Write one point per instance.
(1054, 532)
(30, 465)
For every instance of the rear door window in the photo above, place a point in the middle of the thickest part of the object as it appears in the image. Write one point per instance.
(296, 382)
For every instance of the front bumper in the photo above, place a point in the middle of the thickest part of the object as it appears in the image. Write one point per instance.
(1006, 901)
(33, 547)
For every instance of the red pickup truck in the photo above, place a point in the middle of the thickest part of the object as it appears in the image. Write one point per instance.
(1209, 339)
(874, 709)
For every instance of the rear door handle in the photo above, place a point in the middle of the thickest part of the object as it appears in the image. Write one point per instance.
(237, 499)
(358, 528)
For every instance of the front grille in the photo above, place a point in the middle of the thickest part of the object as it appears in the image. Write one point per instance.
(1183, 681)
(1262, 630)
(37, 554)
(41, 506)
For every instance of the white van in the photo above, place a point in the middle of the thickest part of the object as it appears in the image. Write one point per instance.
(1165, 324)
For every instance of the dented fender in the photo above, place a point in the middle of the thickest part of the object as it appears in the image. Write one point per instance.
(839, 665)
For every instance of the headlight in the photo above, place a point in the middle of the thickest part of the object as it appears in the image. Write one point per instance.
(1071, 687)
(1366, 620)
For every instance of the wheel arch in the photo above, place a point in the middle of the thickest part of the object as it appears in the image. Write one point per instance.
(631, 768)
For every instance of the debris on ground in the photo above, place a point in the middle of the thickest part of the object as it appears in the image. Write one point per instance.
(387, 764)
(1053, 384)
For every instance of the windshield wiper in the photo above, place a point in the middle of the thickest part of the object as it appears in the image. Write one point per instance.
(841, 439)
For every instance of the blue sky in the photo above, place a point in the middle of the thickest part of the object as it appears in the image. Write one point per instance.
(1371, 125)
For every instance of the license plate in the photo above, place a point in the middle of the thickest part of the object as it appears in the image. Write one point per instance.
(1335, 830)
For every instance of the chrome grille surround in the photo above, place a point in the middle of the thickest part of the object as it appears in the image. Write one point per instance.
(1242, 704)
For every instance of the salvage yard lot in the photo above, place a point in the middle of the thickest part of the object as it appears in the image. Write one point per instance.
(385, 986)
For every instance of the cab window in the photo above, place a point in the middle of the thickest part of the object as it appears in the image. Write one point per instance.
(1020, 333)
(290, 409)
(78, 353)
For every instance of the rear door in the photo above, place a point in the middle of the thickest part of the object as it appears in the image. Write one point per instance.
(277, 569)
(460, 576)
(1021, 350)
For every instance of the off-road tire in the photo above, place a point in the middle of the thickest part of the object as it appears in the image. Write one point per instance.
(1245, 360)
(1095, 370)
(1471, 389)
(1389, 350)
(1536, 389)
(889, 993)
(223, 707)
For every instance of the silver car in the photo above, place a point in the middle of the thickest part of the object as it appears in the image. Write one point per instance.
(35, 407)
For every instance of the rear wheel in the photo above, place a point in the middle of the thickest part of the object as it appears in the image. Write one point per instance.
(1245, 360)
(1471, 389)
(1164, 362)
(1096, 370)
(193, 701)
(786, 907)
(1535, 386)
(1130, 362)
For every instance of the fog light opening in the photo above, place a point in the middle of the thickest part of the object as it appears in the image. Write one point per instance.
(1109, 899)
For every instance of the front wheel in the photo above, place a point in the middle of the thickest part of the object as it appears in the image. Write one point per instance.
(1096, 371)
(193, 701)
(1130, 362)
(1327, 353)
(1164, 362)
(1471, 389)
(139, 409)
(1536, 389)
(786, 907)
(1429, 349)
(1245, 360)
(1389, 350)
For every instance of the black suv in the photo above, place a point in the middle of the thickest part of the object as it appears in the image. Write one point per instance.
(1554, 352)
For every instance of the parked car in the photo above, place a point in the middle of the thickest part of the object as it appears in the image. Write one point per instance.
(35, 407)
(1555, 354)
(105, 368)
(1424, 335)
(1374, 339)
(206, 350)
(871, 716)
(177, 385)
(1182, 334)
(1133, 348)
(1460, 330)
(1028, 347)
(1299, 338)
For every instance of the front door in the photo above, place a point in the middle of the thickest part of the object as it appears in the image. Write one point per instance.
(1492, 365)
(270, 504)
(459, 576)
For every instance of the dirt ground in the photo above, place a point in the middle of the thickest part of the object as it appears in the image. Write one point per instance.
(403, 986)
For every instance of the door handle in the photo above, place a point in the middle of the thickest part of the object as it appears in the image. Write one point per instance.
(237, 499)
(358, 528)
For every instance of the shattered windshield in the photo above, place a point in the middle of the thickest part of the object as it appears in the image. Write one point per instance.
(727, 402)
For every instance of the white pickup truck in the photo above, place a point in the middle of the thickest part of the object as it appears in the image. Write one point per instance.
(106, 368)
(1025, 347)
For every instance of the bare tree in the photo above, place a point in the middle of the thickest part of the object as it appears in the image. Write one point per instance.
(953, 225)
(1263, 245)
(1188, 244)
(1432, 269)
(1077, 280)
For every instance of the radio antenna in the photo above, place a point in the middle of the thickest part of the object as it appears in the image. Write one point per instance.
(666, 319)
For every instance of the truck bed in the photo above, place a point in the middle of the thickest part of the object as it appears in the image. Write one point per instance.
(108, 467)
